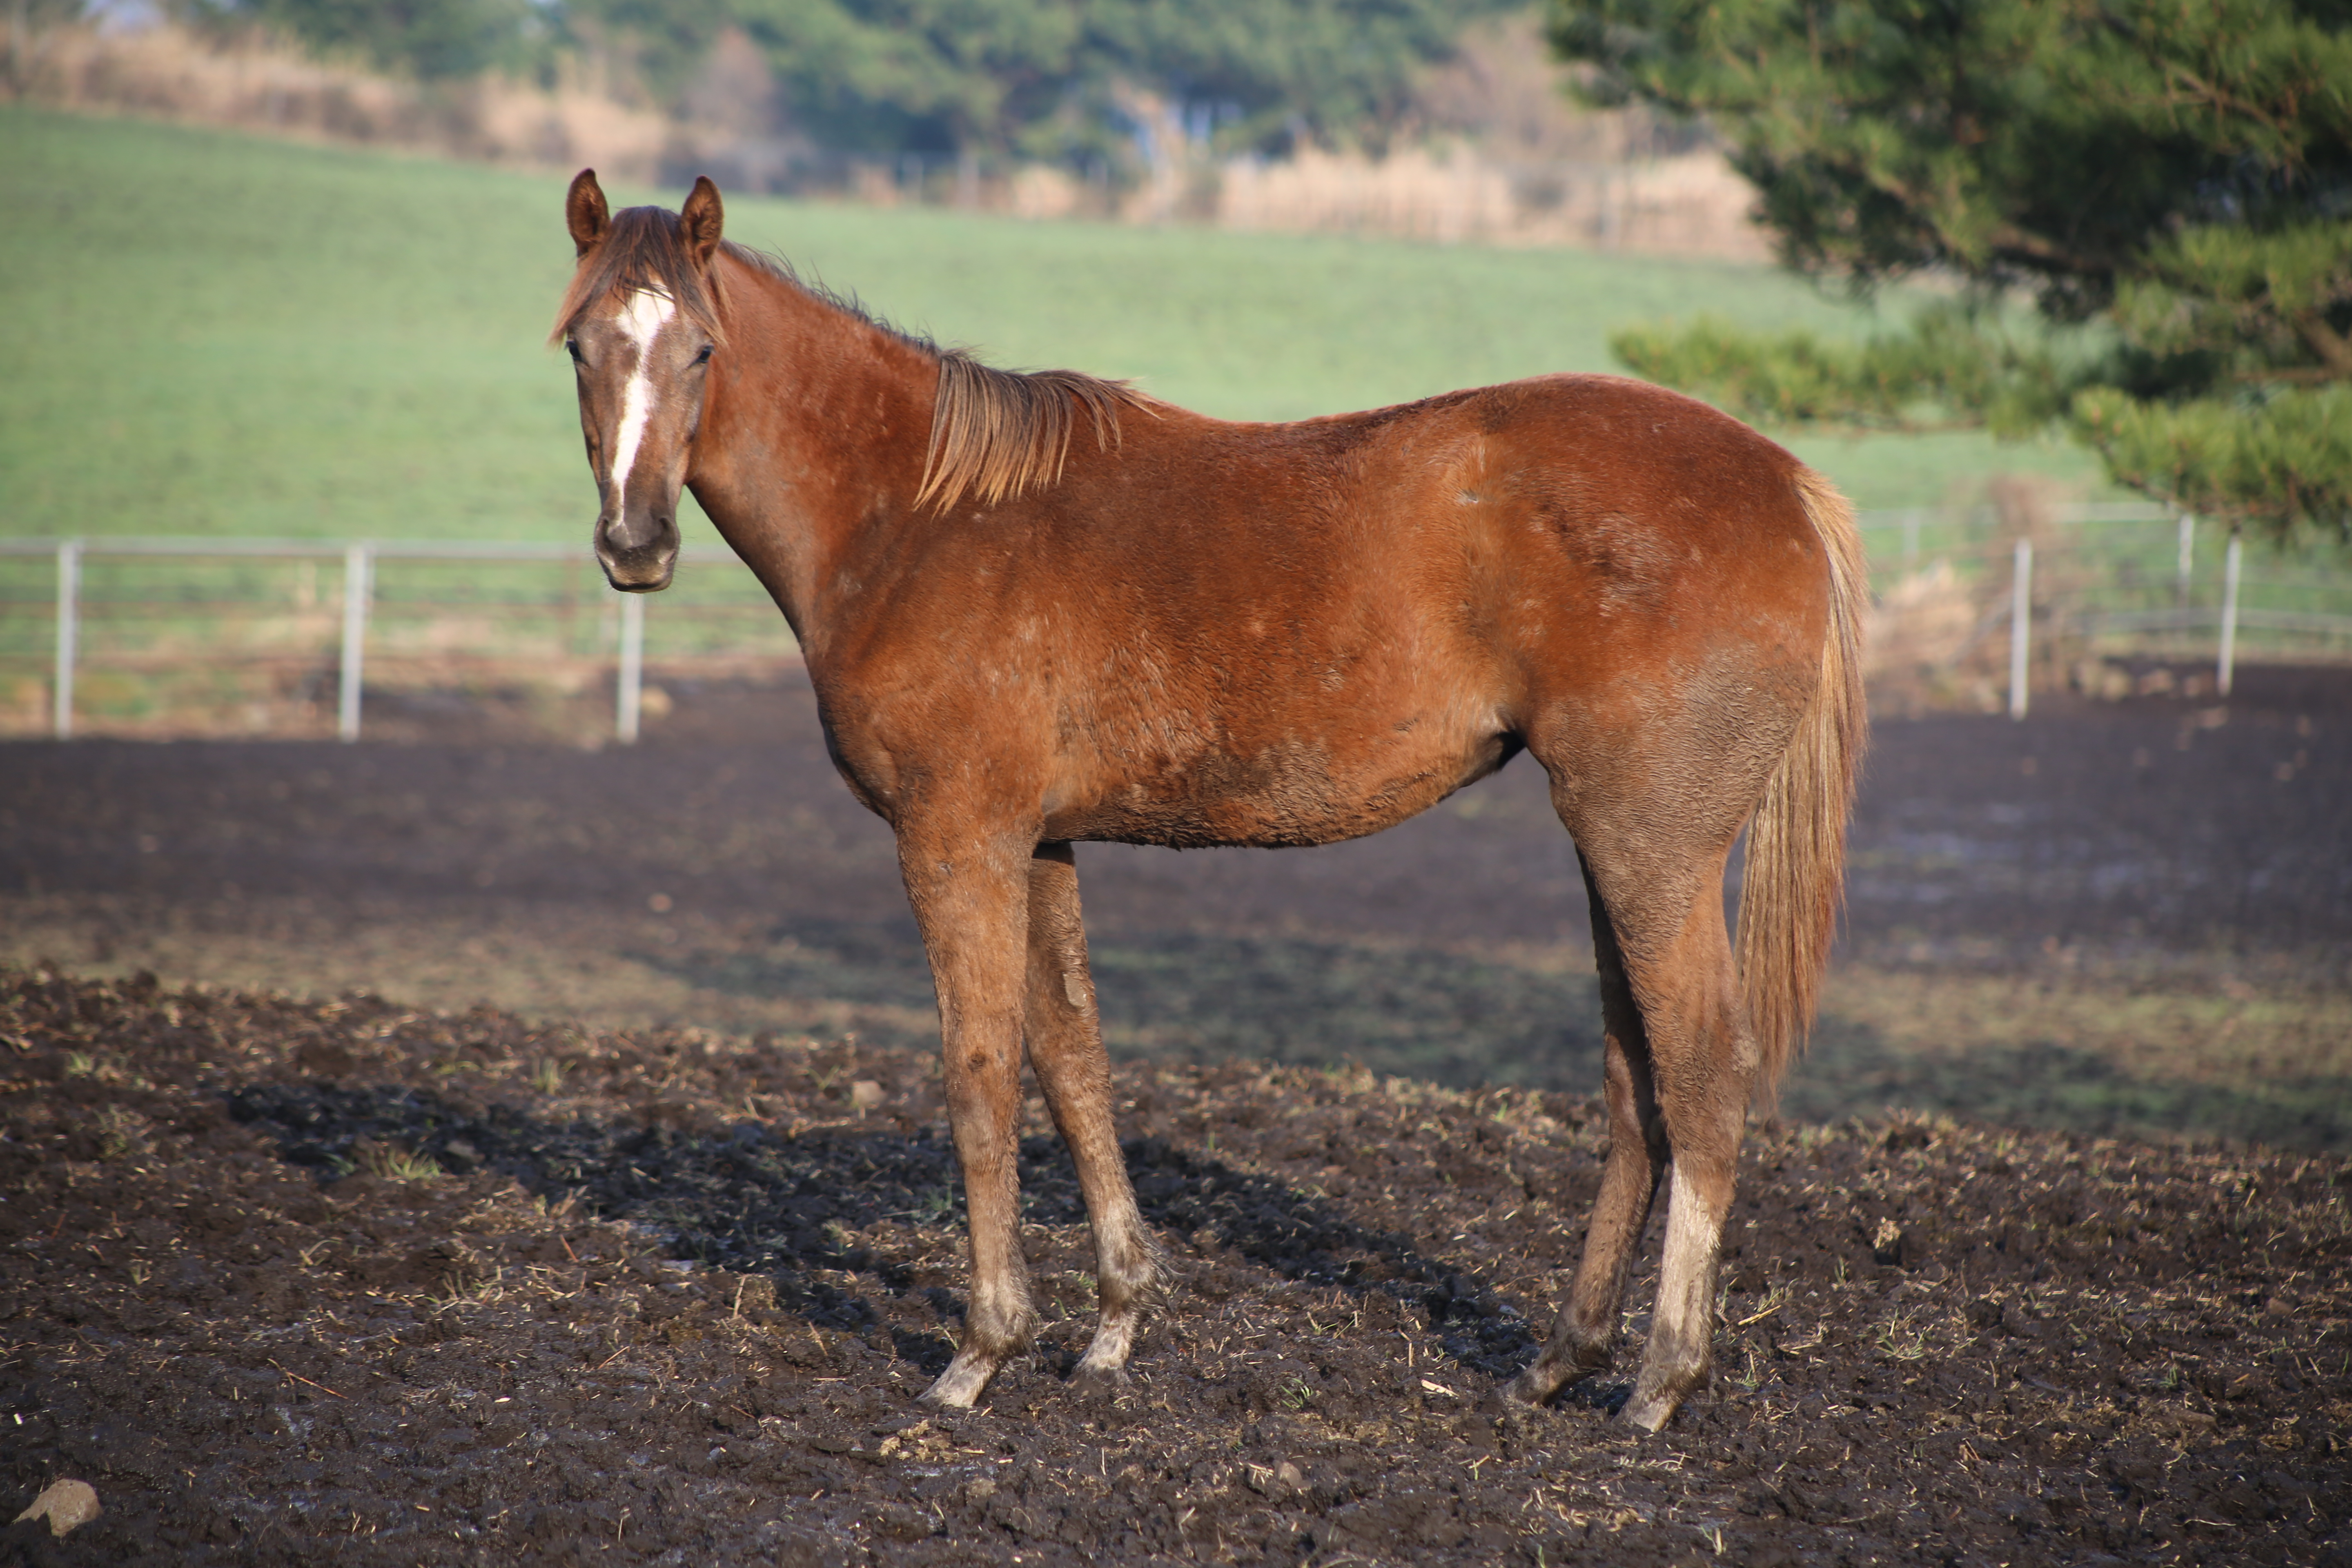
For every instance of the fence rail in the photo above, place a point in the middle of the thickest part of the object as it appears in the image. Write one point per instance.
(2085, 529)
(2137, 544)
(359, 559)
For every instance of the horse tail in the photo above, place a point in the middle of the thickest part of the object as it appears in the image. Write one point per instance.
(1795, 879)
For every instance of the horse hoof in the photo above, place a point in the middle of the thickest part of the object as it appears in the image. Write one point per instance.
(960, 1387)
(1099, 1381)
(1528, 1389)
(1650, 1416)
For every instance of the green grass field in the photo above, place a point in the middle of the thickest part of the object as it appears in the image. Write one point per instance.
(211, 334)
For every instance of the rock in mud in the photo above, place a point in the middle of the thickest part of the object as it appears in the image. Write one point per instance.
(68, 1505)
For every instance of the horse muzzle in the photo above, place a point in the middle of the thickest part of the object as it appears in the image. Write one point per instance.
(638, 553)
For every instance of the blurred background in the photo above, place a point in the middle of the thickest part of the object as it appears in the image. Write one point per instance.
(1404, 117)
(293, 485)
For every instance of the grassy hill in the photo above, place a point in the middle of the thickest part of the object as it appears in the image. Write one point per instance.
(219, 334)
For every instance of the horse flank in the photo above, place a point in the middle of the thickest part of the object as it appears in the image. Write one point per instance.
(1795, 880)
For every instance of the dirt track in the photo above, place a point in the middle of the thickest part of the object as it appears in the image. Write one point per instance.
(292, 1281)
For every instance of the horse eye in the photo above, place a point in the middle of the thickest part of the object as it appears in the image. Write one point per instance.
(704, 357)
(571, 347)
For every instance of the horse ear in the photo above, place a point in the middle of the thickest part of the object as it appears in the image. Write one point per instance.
(584, 212)
(701, 218)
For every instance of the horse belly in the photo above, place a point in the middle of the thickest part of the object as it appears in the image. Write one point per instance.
(1289, 791)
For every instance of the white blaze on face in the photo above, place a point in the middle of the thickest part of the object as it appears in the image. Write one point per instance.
(641, 321)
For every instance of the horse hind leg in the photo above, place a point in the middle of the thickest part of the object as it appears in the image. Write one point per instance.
(1066, 1050)
(1584, 1337)
(1703, 1062)
(1673, 968)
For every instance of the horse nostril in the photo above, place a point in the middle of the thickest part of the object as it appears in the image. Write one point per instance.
(646, 531)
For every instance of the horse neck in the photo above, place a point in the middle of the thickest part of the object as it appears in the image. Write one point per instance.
(812, 443)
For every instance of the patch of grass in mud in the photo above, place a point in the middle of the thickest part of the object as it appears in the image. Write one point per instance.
(1454, 1017)
(677, 1308)
(2086, 1053)
(2224, 1051)
(2043, 1084)
(2193, 1054)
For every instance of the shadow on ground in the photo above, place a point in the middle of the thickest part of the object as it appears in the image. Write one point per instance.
(754, 1200)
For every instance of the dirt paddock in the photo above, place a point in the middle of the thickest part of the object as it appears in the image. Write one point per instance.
(301, 1273)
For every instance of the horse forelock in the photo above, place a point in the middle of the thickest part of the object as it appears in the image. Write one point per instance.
(997, 434)
(644, 252)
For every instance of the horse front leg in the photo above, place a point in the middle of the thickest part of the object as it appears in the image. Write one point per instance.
(970, 894)
(1065, 1049)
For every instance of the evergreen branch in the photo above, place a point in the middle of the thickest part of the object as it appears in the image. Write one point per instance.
(2055, 257)
(2295, 375)
(2281, 466)
(1946, 373)
(2334, 351)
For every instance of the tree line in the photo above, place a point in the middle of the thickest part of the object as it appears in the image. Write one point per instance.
(1041, 79)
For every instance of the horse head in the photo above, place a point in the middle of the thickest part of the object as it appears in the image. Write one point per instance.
(641, 323)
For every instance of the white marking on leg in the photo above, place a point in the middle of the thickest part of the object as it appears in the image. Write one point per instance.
(641, 321)
(1693, 1230)
(1682, 1331)
(1114, 1342)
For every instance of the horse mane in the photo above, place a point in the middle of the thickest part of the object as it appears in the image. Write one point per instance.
(995, 434)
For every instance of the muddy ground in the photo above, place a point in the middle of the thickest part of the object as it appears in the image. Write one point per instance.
(297, 1282)
(616, 1280)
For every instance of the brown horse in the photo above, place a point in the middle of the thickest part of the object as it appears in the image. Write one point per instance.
(1038, 608)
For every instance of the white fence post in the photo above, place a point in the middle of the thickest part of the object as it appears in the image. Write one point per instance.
(69, 635)
(2187, 553)
(359, 573)
(2020, 623)
(2231, 561)
(630, 687)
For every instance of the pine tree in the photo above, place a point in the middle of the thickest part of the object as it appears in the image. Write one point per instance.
(2168, 181)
